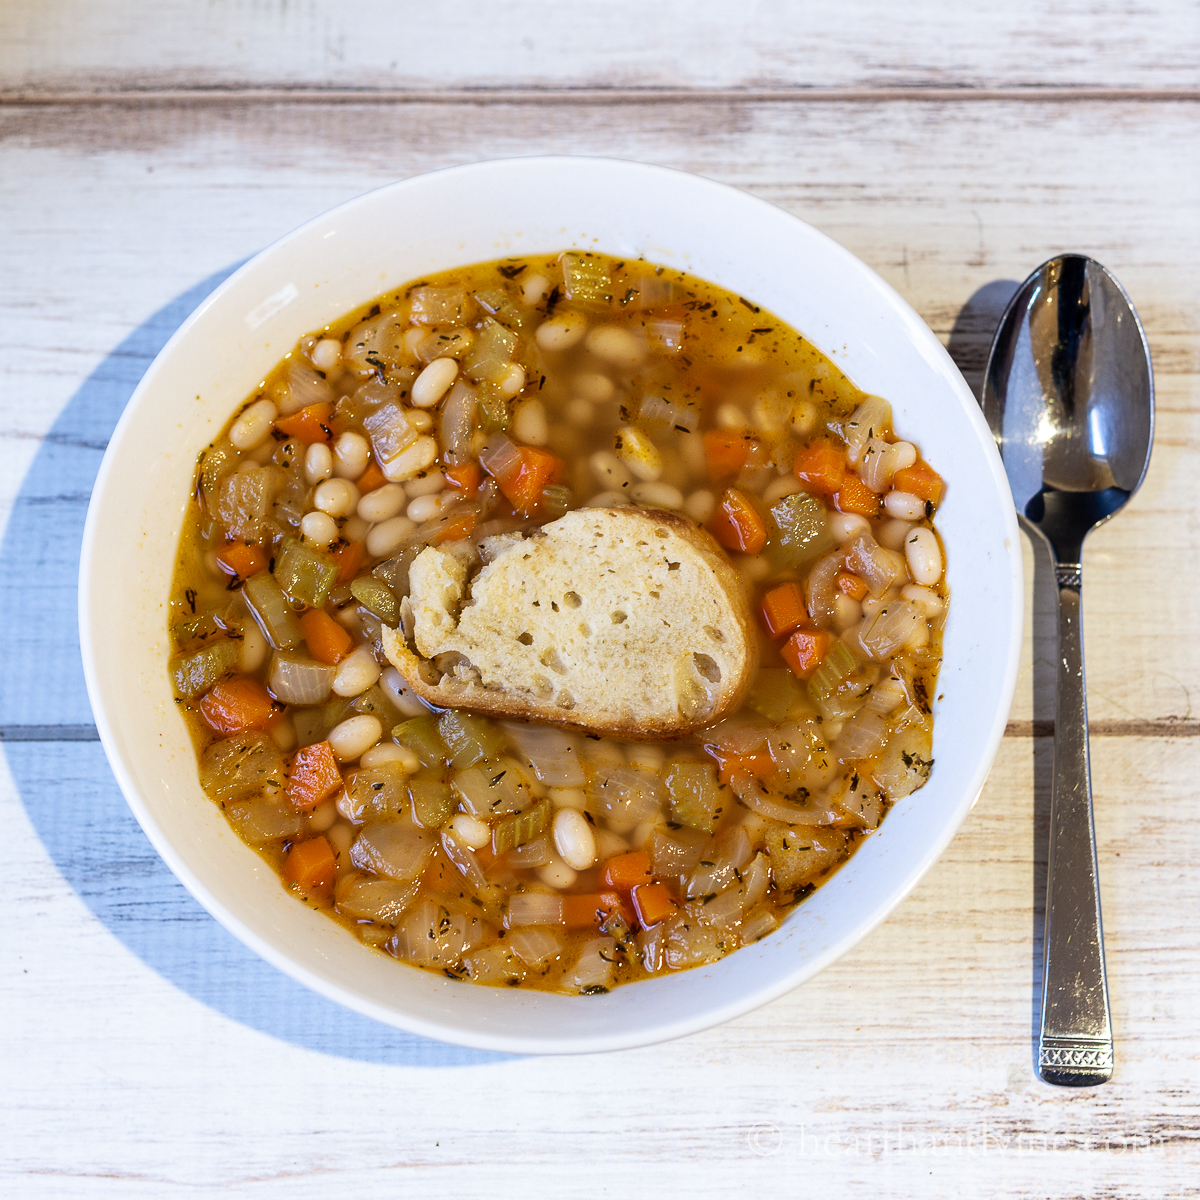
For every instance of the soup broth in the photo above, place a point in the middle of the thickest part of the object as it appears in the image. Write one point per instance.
(492, 400)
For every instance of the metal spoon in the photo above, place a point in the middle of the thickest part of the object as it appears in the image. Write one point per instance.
(1069, 395)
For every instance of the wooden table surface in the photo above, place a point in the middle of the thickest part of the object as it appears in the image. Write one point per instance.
(148, 148)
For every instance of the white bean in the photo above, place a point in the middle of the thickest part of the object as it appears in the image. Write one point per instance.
(904, 505)
(318, 528)
(568, 798)
(641, 834)
(253, 427)
(347, 618)
(253, 651)
(785, 485)
(386, 538)
(425, 485)
(638, 453)
(699, 505)
(326, 354)
(892, 534)
(529, 423)
(905, 455)
(354, 529)
(475, 833)
(337, 497)
(355, 673)
(389, 752)
(351, 453)
(729, 416)
(924, 556)
(646, 757)
(424, 508)
(383, 503)
(594, 386)
(535, 289)
(412, 460)
(432, 383)
(607, 500)
(556, 873)
(351, 738)
(561, 332)
(283, 734)
(407, 702)
(844, 526)
(846, 612)
(804, 417)
(657, 495)
(513, 381)
(617, 345)
(419, 419)
(322, 817)
(573, 839)
(610, 471)
(318, 462)
(928, 601)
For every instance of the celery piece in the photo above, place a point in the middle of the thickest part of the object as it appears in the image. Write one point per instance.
(498, 302)
(586, 281)
(196, 673)
(555, 500)
(305, 575)
(836, 667)
(219, 458)
(469, 738)
(374, 702)
(695, 795)
(420, 735)
(776, 693)
(394, 571)
(490, 356)
(524, 827)
(431, 801)
(196, 632)
(376, 597)
(803, 531)
(241, 768)
(310, 725)
(492, 410)
(270, 608)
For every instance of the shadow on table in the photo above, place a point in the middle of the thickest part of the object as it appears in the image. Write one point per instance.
(970, 341)
(67, 787)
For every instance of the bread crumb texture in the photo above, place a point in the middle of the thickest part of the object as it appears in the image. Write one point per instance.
(625, 621)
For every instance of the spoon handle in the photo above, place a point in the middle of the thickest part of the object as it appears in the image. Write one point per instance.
(1075, 1047)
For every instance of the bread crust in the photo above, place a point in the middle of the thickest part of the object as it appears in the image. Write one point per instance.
(500, 701)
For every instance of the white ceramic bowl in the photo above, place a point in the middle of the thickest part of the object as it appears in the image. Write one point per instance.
(471, 214)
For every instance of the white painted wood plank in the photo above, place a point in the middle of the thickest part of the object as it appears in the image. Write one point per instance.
(147, 1053)
(117, 213)
(60, 45)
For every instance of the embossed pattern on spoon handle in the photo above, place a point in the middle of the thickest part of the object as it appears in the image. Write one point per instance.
(1075, 1047)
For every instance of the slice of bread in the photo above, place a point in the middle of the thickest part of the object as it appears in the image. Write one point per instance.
(620, 621)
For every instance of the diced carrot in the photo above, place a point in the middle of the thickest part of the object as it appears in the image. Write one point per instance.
(466, 478)
(349, 559)
(804, 650)
(855, 497)
(312, 776)
(653, 902)
(759, 764)
(821, 465)
(737, 525)
(627, 870)
(311, 866)
(242, 560)
(327, 641)
(593, 909)
(530, 474)
(850, 585)
(783, 609)
(370, 479)
(727, 452)
(454, 527)
(310, 424)
(920, 480)
(236, 705)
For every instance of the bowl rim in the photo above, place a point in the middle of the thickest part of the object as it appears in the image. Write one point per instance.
(483, 1038)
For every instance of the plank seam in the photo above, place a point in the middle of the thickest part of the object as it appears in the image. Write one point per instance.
(593, 96)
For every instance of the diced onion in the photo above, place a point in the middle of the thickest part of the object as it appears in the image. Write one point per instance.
(877, 567)
(534, 946)
(872, 418)
(863, 736)
(552, 753)
(297, 679)
(755, 797)
(534, 908)
(895, 626)
(458, 423)
(820, 595)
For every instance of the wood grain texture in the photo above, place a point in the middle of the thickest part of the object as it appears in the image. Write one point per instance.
(55, 45)
(148, 1053)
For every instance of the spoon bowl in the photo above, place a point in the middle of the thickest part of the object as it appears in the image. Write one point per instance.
(1069, 396)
